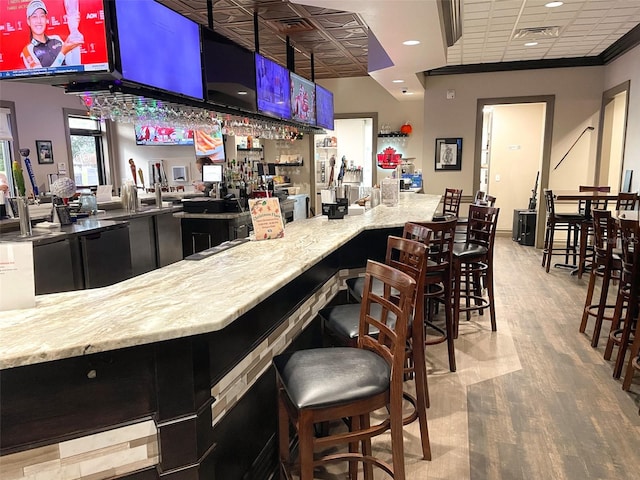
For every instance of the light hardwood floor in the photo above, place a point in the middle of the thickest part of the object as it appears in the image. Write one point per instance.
(532, 400)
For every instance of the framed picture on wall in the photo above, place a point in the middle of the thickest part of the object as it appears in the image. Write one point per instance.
(448, 154)
(44, 149)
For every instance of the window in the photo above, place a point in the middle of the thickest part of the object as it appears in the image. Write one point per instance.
(85, 139)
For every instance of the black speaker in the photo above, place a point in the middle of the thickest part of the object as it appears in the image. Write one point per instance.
(524, 227)
(527, 228)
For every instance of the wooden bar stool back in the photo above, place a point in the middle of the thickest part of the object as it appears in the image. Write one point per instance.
(627, 201)
(569, 223)
(438, 286)
(623, 324)
(606, 266)
(412, 231)
(586, 248)
(473, 266)
(450, 204)
(325, 384)
(341, 322)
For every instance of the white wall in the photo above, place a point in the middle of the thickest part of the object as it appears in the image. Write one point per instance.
(39, 116)
(627, 67)
(577, 91)
(515, 157)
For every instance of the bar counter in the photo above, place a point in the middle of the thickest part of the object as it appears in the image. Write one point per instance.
(168, 374)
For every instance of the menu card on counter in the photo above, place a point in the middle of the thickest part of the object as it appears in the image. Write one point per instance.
(266, 218)
(17, 283)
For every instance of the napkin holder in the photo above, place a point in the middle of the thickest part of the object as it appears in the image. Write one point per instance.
(335, 211)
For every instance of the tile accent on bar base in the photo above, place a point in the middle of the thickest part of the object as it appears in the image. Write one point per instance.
(238, 381)
(103, 455)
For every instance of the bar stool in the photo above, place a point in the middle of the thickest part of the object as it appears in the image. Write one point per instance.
(606, 266)
(450, 204)
(355, 285)
(623, 326)
(324, 384)
(586, 249)
(627, 201)
(342, 323)
(565, 222)
(438, 285)
(634, 361)
(473, 266)
(480, 199)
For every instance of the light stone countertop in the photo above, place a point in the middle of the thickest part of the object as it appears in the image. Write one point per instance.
(188, 297)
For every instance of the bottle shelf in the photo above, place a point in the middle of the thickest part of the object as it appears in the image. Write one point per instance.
(393, 135)
(294, 164)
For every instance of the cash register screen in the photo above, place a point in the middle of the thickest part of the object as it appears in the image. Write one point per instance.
(212, 173)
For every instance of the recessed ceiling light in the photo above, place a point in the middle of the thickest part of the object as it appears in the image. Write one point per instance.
(531, 44)
(242, 92)
(398, 81)
(553, 4)
(411, 42)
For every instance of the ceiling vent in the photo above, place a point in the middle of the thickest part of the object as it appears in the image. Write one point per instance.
(536, 32)
(292, 25)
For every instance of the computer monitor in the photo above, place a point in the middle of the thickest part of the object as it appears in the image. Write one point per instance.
(212, 173)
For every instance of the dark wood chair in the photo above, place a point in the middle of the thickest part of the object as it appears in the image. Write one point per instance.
(627, 201)
(569, 223)
(606, 266)
(473, 266)
(341, 322)
(586, 250)
(450, 204)
(627, 301)
(634, 359)
(412, 231)
(438, 286)
(325, 384)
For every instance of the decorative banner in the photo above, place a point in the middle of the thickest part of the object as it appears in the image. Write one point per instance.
(17, 282)
(266, 217)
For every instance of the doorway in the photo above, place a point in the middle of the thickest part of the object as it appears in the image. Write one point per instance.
(513, 144)
(611, 138)
(353, 138)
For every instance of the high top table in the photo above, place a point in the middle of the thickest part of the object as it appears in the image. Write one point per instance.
(587, 197)
(168, 374)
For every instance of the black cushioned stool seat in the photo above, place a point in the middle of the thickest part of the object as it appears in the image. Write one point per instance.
(332, 376)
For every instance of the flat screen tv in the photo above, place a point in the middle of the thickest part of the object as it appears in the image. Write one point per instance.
(324, 108)
(209, 144)
(273, 91)
(230, 72)
(212, 173)
(159, 47)
(162, 135)
(32, 36)
(303, 100)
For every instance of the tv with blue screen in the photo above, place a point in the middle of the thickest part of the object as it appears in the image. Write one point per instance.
(230, 72)
(303, 100)
(273, 91)
(159, 48)
(324, 108)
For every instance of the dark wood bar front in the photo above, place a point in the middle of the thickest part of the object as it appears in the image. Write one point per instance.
(168, 374)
